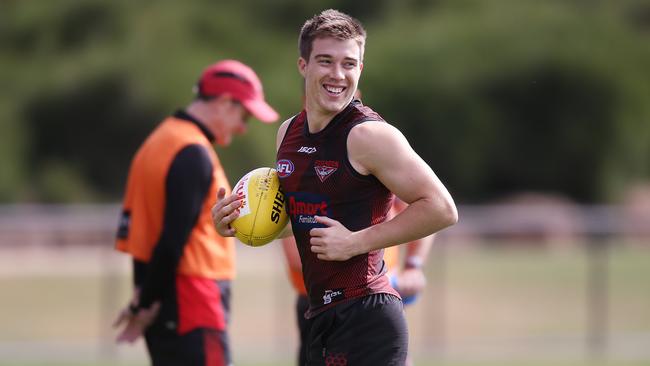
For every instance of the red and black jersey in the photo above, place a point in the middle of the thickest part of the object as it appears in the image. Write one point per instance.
(318, 179)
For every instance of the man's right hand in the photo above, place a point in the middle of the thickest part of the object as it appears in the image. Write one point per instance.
(136, 323)
(224, 212)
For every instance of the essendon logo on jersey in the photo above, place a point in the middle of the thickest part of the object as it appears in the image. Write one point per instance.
(285, 168)
(325, 168)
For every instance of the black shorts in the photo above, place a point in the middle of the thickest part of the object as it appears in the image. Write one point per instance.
(370, 331)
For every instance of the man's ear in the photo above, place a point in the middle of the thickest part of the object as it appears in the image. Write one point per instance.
(302, 66)
(225, 97)
(223, 100)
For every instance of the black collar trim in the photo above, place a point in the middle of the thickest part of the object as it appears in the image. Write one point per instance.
(181, 114)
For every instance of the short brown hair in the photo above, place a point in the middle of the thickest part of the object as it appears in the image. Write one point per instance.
(330, 23)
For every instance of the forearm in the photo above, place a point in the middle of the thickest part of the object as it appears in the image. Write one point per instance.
(161, 273)
(420, 219)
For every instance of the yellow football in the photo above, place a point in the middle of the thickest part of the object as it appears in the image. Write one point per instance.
(262, 215)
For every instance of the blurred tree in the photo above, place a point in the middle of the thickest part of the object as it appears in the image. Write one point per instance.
(554, 132)
(497, 96)
(90, 132)
(509, 96)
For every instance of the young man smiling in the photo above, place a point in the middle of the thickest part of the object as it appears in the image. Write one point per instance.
(342, 158)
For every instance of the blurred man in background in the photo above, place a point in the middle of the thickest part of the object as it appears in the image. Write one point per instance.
(182, 266)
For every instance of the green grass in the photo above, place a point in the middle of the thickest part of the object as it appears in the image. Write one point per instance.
(485, 307)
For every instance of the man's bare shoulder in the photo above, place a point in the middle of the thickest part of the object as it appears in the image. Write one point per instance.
(372, 143)
(282, 130)
(373, 133)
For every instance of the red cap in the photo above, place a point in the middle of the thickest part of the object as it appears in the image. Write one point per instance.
(241, 82)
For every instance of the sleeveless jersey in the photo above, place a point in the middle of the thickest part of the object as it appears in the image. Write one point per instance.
(318, 179)
(206, 254)
(391, 259)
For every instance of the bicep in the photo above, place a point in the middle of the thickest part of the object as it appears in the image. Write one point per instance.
(407, 175)
(383, 151)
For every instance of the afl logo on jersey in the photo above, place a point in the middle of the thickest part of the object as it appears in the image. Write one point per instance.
(285, 168)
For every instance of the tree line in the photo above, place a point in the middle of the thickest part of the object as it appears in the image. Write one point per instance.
(498, 97)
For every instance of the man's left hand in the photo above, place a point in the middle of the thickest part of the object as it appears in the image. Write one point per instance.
(333, 242)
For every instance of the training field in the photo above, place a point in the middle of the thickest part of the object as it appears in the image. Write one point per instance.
(484, 306)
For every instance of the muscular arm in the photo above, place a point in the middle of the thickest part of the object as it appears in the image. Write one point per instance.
(381, 150)
(417, 251)
(187, 184)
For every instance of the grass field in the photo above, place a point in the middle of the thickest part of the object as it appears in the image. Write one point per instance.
(484, 306)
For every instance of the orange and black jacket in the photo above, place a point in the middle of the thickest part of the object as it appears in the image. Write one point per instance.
(166, 223)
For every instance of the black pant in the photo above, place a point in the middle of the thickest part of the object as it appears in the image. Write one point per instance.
(199, 347)
(370, 331)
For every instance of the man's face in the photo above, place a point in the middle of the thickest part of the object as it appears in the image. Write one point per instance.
(331, 74)
(232, 121)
